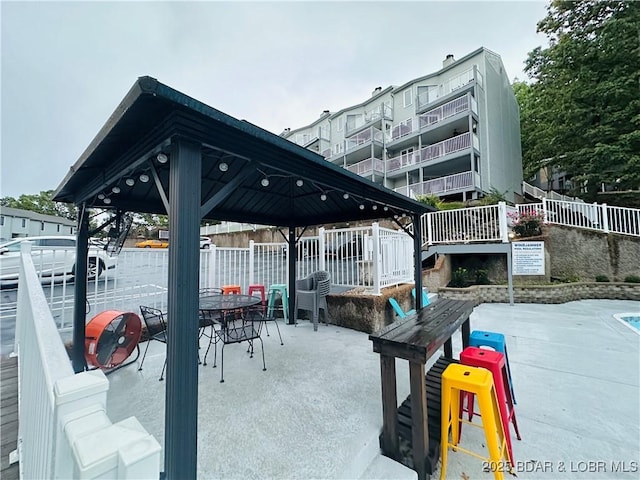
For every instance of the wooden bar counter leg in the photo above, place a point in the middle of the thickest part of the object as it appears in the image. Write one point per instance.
(466, 332)
(389, 407)
(419, 432)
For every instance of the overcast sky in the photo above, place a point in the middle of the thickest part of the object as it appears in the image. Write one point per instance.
(67, 65)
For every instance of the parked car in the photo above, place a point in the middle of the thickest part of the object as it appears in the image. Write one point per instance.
(53, 256)
(152, 244)
(345, 247)
(205, 242)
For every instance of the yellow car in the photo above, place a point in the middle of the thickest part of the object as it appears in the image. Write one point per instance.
(152, 244)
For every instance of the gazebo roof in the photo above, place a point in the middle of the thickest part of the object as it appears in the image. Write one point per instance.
(248, 174)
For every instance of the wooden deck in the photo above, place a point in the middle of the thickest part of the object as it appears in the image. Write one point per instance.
(9, 416)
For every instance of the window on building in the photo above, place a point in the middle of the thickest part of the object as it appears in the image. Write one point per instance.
(42, 226)
(58, 228)
(406, 154)
(338, 148)
(413, 177)
(354, 120)
(408, 97)
(24, 223)
(1, 220)
(339, 124)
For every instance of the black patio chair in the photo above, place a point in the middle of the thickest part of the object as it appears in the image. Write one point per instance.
(248, 330)
(156, 329)
(207, 320)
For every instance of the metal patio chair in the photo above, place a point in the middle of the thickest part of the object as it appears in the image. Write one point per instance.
(156, 326)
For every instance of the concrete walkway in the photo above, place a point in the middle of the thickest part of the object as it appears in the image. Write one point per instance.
(316, 412)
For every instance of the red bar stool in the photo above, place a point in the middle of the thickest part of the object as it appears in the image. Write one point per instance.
(495, 363)
(258, 288)
(231, 290)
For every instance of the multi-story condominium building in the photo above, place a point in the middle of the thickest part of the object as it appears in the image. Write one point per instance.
(454, 133)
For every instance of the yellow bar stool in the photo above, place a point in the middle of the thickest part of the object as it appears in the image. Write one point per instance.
(457, 379)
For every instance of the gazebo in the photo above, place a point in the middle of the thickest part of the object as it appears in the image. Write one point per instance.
(163, 152)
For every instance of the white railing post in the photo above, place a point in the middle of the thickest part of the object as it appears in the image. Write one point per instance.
(428, 217)
(212, 263)
(544, 210)
(502, 221)
(321, 249)
(605, 218)
(73, 395)
(251, 261)
(375, 263)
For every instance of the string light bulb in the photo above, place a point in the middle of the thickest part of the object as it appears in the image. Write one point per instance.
(130, 182)
(223, 167)
(144, 178)
(162, 158)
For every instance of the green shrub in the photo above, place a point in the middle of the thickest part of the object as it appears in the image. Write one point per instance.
(632, 279)
(459, 278)
(452, 206)
(494, 197)
(431, 200)
(602, 278)
(528, 224)
(482, 277)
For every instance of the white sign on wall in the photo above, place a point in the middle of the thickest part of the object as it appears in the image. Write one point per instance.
(527, 258)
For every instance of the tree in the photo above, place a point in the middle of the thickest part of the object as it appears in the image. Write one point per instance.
(581, 113)
(41, 203)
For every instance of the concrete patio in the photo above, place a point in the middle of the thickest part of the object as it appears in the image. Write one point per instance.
(316, 412)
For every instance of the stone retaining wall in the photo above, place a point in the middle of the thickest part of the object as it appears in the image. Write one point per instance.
(369, 313)
(560, 293)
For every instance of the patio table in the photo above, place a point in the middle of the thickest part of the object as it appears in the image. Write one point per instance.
(416, 338)
(218, 303)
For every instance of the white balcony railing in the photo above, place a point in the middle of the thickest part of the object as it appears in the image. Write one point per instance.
(434, 116)
(364, 137)
(381, 111)
(431, 152)
(404, 128)
(445, 111)
(449, 184)
(63, 427)
(367, 167)
(445, 88)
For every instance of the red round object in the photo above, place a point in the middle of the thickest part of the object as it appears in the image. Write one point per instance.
(110, 337)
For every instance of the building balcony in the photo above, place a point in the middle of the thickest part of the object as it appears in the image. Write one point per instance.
(451, 184)
(429, 153)
(368, 167)
(370, 118)
(366, 137)
(449, 109)
(434, 116)
(462, 80)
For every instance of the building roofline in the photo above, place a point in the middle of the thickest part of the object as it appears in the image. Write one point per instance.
(19, 212)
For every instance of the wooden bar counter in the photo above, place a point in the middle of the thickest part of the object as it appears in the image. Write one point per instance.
(416, 338)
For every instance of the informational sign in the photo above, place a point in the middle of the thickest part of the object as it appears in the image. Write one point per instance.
(527, 258)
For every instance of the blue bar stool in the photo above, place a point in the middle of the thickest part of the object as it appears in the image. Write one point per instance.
(480, 338)
(274, 290)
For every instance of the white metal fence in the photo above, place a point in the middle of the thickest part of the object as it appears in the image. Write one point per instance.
(592, 216)
(465, 225)
(62, 416)
(367, 257)
(140, 277)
